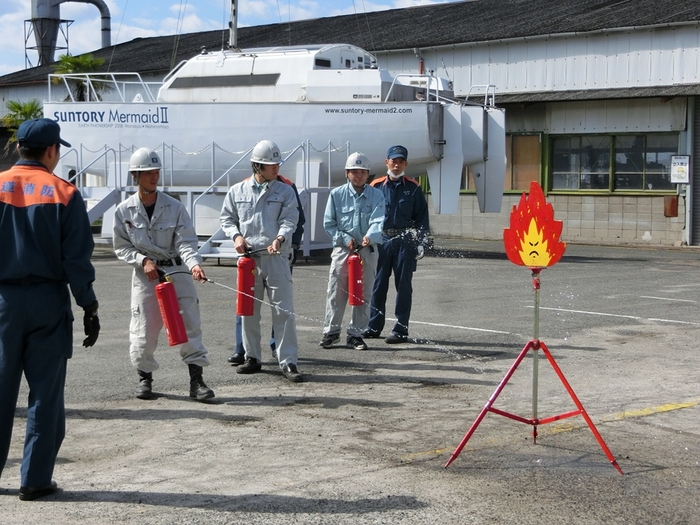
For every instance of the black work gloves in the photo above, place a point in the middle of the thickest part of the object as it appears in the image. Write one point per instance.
(92, 324)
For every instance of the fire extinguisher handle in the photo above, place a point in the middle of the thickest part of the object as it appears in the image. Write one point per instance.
(250, 252)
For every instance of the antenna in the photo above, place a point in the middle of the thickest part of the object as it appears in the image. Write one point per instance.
(233, 26)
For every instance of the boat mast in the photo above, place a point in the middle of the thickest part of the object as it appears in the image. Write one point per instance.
(233, 26)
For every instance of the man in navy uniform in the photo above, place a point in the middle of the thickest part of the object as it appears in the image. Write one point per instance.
(405, 229)
(47, 244)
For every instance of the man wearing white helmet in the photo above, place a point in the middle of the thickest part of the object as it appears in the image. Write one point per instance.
(153, 233)
(260, 215)
(238, 355)
(353, 219)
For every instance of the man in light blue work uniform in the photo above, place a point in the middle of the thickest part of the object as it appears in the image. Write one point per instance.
(260, 215)
(405, 231)
(353, 219)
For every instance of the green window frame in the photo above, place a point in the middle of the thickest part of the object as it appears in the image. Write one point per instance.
(636, 163)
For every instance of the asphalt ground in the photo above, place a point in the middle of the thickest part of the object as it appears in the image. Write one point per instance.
(365, 439)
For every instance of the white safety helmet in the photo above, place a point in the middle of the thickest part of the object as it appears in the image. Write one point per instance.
(357, 161)
(266, 152)
(144, 159)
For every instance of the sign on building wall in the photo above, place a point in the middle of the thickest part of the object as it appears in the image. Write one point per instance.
(680, 169)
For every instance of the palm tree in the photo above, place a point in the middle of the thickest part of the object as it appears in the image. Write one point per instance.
(80, 65)
(18, 112)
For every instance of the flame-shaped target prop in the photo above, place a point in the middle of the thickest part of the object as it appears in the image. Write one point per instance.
(533, 237)
(533, 241)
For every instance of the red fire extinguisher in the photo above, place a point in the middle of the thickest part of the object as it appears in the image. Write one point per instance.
(356, 283)
(170, 312)
(245, 298)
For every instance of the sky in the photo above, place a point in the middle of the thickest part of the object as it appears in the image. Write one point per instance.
(145, 18)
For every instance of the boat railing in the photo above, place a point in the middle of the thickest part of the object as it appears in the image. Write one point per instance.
(489, 93)
(75, 176)
(328, 150)
(431, 80)
(174, 70)
(104, 179)
(210, 189)
(244, 156)
(96, 87)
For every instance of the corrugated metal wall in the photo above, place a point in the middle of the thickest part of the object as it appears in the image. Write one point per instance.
(650, 115)
(22, 93)
(615, 59)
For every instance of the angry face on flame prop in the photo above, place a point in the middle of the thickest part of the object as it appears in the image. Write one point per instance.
(533, 237)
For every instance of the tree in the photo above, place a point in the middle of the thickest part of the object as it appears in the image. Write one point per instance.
(80, 65)
(18, 113)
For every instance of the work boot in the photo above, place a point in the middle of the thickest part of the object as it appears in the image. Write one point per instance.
(236, 359)
(328, 340)
(197, 387)
(372, 334)
(356, 342)
(32, 493)
(395, 338)
(251, 366)
(290, 372)
(144, 390)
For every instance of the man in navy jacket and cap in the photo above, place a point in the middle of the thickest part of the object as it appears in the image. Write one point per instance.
(47, 244)
(405, 230)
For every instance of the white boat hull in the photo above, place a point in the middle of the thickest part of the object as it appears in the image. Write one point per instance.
(181, 130)
(235, 128)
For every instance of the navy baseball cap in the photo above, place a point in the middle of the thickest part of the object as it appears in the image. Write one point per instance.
(396, 152)
(40, 133)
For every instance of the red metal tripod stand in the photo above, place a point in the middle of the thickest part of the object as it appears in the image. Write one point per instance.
(535, 345)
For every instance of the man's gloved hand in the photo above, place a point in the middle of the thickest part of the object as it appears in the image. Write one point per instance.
(92, 324)
(420, 252)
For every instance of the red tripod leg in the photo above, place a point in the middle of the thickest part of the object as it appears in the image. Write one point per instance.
(578, 404)
(490, 402)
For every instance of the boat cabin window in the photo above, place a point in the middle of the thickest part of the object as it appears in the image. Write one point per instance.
(269, 79)
(323, 62)
(348, 63)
